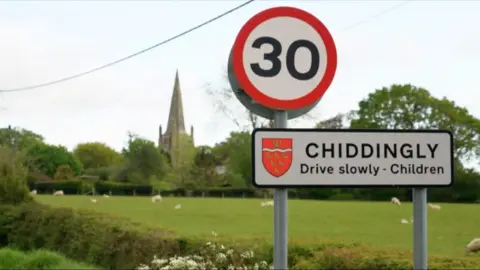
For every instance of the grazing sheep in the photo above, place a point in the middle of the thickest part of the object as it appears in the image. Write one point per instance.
(268, 203)
(178, 206)
(58, 193)
(33, 192)
(396, 201)
(434, 206)
(156, 198)
(106, 196)
(473, 246)
(93, 200)
(404, 221)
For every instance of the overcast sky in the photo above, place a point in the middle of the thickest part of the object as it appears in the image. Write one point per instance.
(433, 44)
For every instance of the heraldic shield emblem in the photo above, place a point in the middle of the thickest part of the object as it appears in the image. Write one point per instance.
(277, 155)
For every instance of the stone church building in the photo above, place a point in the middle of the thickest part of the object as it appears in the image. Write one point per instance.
(175, 136)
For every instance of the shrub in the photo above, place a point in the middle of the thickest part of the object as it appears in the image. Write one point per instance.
(84, 236)
(13, 178)
(64, 173)
(123, 188)
(103, 173)
(68, 187)
(39, 259)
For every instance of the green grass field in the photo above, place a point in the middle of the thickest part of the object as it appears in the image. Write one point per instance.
(372, 223)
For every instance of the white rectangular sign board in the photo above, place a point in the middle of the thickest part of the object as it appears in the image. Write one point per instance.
(348, 157)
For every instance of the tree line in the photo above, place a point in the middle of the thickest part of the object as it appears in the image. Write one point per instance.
(228, 163)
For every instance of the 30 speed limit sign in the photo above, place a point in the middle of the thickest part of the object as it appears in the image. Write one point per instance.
(284, 58)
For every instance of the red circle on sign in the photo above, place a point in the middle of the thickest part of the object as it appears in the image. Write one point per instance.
(239, 68)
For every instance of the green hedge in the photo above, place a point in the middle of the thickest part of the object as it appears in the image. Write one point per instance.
(97, 239)
(68, 187)
(116, 188)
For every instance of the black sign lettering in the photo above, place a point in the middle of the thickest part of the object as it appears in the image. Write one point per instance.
(290, 58)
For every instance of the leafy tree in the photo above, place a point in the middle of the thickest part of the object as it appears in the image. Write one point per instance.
(47, 158)
(205, 166)
(13, 177)
(335, 122)
(94, 155)
(182, 161)
(143, 161)
(235, 152)
(18, 139)
(64, 172)
(410, 107)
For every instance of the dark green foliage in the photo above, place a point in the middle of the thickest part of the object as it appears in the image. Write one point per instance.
(97, 239)
(94, 155)
(18, 139)
(116, 188)
(103, 173)
(13, 178)
(47, 158)
(143, 161)
(68, 187)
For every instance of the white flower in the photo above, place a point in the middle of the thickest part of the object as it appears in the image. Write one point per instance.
(143, 267)
(255, 267)
(222, 247)
(231, 267)
(230, 252)
(208, 243)
(263, 264)
(158, 262)
(198, 258)
(247, 254)
(191, 263)
(214, 233)
(221, 257)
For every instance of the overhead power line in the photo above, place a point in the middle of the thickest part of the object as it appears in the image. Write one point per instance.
(31, 87)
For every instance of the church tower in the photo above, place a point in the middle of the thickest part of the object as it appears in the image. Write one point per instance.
(170, 140)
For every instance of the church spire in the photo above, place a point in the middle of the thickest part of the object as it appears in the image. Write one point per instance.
(176, 123)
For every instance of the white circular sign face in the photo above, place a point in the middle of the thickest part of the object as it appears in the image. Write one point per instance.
(284, 58)
(286, 30)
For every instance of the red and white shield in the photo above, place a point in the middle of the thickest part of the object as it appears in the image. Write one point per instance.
(277, 155)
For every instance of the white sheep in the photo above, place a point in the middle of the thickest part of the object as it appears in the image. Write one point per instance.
(58, 193)
(404, 221)
(93, 200)
(156, 198)
(267, 203)
(473, 246)
(396, 201)
(106, 196)
(33, 192)
(178, 206)
(434, 206)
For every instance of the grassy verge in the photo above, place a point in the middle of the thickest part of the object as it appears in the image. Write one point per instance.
(39, 259)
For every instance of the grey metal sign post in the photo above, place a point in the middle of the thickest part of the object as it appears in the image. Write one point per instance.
(419, 228)
(280, 212)
(271, 80)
